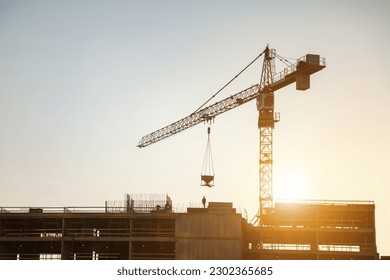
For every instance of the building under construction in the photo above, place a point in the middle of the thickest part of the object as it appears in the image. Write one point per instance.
(147, 228)
(317, 230)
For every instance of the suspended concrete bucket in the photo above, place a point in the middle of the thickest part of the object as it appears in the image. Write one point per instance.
(207, 180)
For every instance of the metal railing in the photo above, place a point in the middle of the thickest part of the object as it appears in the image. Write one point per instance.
(293, 67)
(326, 202)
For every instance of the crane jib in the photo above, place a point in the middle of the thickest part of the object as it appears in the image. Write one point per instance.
(299, 72)
(201, 116)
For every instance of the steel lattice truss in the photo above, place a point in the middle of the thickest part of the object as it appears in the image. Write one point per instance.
(266, 196)
(203, 115)
(277, 81)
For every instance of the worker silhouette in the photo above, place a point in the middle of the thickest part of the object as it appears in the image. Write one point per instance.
(204, 201)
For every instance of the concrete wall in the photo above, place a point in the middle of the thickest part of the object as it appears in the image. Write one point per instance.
(209, 234)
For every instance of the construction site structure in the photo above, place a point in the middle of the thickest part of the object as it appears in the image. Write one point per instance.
(319, 230)
(148, 228)
(270, 81)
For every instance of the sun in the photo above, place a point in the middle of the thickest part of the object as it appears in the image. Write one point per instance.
(290, 185)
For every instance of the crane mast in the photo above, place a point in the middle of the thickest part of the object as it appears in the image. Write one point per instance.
(270, 81)
(266, 123)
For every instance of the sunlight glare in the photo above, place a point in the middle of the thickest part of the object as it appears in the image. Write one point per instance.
(290, 186)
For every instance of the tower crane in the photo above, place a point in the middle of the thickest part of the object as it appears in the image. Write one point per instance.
(270, 81)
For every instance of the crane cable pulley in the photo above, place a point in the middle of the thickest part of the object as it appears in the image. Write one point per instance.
(207, 175)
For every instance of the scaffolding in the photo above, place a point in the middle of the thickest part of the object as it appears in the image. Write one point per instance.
(140, 203)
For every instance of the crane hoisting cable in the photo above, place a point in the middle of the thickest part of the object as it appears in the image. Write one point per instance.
(207, 176)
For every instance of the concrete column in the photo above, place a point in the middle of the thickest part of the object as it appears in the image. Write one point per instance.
(130, 235)
(65, 246)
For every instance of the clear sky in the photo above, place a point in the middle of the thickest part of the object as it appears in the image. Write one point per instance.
(82, 81)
